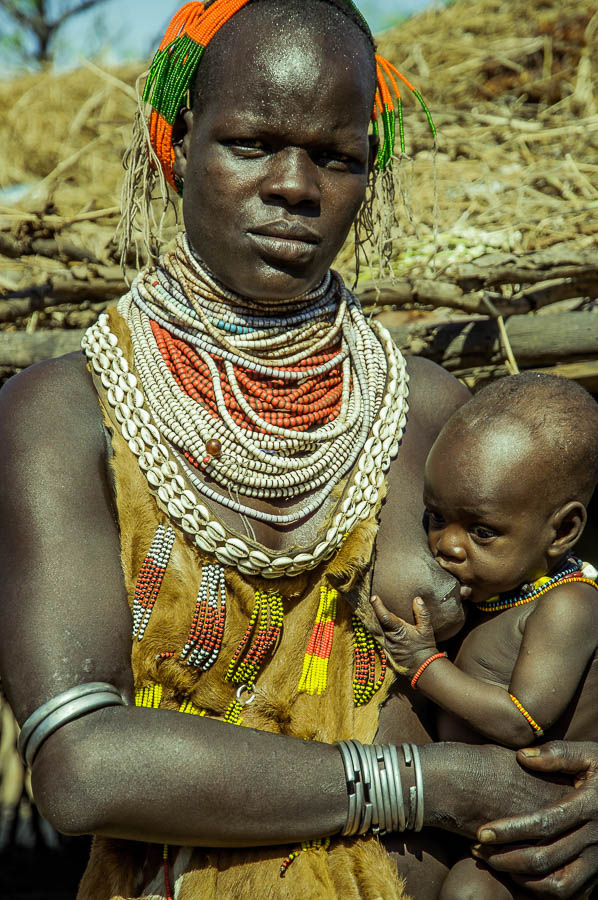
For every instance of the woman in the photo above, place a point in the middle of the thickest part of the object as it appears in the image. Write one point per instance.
(258, 386)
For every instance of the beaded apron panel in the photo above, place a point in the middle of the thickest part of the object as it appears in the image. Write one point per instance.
(163, 667)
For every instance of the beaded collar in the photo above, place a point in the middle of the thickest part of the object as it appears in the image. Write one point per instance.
(165, 427)
(572, 569)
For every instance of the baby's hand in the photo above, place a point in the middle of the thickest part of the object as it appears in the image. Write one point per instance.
(408, 645)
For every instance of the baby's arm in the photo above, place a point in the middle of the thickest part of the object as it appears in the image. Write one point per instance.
(559, 639)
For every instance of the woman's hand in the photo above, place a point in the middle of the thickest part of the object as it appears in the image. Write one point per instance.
(408, 645)
(552, 852)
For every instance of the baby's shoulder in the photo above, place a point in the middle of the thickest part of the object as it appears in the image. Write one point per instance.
(572, 603)
(567, 615)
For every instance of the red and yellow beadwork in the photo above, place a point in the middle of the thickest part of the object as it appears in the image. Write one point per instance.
(314, 676)
(260, 639)
(367, 651)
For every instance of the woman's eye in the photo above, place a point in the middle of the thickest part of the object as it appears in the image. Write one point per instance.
(247, 146)
(482, 532)
(338, 161)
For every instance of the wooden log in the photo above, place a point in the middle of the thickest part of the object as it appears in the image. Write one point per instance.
(447, 294)
(18, 349)
(536, 340)
(56, 290)
(50, 247)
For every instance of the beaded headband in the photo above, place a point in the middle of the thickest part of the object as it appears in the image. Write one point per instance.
(189, 33)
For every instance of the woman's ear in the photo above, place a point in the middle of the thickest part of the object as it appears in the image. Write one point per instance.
(568, 523)
(181, 136)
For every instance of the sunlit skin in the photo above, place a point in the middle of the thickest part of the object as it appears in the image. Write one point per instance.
(282, 172)
(490, 523)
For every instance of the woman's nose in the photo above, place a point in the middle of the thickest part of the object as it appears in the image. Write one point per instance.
(450, 544)
(292, 179)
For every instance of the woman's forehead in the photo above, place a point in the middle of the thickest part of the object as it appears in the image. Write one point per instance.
(272, 77)
(251, 54)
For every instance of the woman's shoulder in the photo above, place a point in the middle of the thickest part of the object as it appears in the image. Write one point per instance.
(50, 407)
(434, 394)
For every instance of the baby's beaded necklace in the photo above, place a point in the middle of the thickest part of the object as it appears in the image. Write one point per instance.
(571, 570)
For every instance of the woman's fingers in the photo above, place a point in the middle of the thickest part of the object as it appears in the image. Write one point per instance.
(545, 823)
(538, 859)
(571, 881)
(578, 806)
(561, 756)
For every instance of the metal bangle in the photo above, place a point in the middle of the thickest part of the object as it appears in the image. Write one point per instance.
(362, 787)
(378, 803)
(375, 792)
(60, 710)
(392, 789)
(352, 779)
(369, 810)
(394, 755)
(419, 786)
(384, 782)
(411, 812)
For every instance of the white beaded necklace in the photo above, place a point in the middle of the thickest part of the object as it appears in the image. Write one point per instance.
(161, 422)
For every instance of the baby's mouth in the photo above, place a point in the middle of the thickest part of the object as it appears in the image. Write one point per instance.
(465, 591)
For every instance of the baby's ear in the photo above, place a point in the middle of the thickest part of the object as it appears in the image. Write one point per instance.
(568, 523)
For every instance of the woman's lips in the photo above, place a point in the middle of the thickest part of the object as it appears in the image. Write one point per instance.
(285, 249)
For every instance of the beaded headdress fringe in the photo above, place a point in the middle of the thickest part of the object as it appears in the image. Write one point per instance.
(150, 156)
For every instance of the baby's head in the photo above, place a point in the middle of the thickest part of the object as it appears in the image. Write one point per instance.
(508, 480)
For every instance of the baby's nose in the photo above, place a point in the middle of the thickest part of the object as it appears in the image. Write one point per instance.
(450, 544)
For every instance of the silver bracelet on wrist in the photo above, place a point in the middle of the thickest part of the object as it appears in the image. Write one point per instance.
(65, 707)
(375, 789)
(416, 791)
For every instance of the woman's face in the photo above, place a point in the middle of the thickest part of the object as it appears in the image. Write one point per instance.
(275, 164)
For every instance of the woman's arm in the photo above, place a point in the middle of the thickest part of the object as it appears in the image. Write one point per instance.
(64, 621)
(558, 641)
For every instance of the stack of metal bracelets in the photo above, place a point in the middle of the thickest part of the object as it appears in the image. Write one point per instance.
(70, 705)
(375, 789)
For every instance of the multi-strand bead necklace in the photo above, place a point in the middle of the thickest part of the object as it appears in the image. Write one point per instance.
(277, 400)
(571, 570)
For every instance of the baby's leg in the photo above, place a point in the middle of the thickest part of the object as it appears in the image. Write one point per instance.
(423, 860)
(472, 880)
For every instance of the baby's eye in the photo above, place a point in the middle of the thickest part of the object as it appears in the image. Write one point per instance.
(434, 519)
(482, 532)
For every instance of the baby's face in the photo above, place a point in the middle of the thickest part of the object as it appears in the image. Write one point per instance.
(487, 521)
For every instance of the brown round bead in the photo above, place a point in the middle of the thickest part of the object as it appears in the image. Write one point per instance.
(214, 447)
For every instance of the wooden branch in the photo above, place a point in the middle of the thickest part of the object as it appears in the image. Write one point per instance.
(57, 290)
(447, 294)
(49, 247)
(535, 340)
(19, 349)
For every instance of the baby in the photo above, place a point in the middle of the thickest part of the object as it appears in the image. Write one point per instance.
(506, 487)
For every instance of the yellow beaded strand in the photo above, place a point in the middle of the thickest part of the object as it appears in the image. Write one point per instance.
(149, 696)
(537, 728)
(314, 675)
(260, 638)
